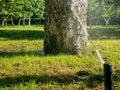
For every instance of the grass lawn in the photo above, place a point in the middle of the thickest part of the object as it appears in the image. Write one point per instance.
(23, 65)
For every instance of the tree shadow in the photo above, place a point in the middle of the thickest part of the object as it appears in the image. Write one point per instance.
(92, 81)
(104, 33)
(22, 34)
(46, 79)
(29, 53)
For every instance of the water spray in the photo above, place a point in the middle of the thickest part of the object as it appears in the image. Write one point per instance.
(99, 56)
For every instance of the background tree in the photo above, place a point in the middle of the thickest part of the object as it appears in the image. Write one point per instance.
(116, 16)
(107, 10)
(4, 11)
(27, 11)
(13, 11)
(103, 11)
(38, 8)
(94, 12)
(21, 10)
(107, 13)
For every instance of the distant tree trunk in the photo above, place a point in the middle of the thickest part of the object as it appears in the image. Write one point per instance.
(3, 22)
(106, 21)
(19, 22)
(29, 21)
(6, 22)
(23, 20)
(12, 22)
(65, 26)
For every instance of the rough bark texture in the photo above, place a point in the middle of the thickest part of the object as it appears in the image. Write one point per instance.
(65, 26)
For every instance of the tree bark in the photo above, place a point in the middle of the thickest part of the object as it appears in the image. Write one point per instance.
(65, 26)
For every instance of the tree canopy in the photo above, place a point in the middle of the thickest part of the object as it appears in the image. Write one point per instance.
(104, 11)
(21, 9)
(99, 11)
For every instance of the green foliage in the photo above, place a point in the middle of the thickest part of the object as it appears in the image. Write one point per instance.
(100, 10)
(18, 9)
(38, 8)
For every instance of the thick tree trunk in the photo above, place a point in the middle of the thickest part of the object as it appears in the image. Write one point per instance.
(65, 26)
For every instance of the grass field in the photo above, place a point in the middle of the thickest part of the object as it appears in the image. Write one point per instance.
(23, 65)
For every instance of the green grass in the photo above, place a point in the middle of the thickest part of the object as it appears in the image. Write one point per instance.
(104, 32)
(23, 65)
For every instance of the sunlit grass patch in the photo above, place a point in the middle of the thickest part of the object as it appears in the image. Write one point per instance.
(33, 27)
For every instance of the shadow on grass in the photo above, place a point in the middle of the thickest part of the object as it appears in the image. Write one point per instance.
(100, 33)
(104, 33)
(22, 35)
(92, 81)
(29, 53)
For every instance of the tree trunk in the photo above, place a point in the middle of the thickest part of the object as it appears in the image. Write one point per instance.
(12, 22)
(106, 21)
(3, 23)
(29, 22)
(23, 22)
(65, 26)
(6, 22)
(19, 22)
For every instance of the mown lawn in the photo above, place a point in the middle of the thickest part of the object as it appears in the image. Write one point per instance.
(23, 65)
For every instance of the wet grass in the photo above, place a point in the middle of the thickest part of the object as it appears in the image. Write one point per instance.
(23, 65)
